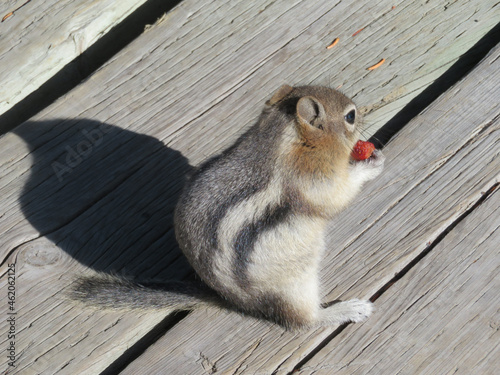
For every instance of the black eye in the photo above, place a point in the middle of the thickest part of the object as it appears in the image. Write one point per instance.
(350, 117)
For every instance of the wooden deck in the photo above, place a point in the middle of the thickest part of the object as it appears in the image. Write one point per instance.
(89, 183)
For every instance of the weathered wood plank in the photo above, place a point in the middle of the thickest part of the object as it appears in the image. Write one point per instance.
(165, 80)
(194, 82)
(442, 317)
(436, 169)
(40, 38)
(131, 84)
(50, 333)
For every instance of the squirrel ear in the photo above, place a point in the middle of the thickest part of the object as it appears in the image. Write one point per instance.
(310, 111)
(280, 94)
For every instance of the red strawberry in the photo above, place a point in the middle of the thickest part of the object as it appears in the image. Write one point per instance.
(362, 150)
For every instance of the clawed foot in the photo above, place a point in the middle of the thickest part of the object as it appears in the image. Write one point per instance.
(357, 310)
(370, 168)
(377, 159)
(353, 310)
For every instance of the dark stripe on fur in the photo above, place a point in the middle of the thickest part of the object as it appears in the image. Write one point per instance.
(274, 308)
(221, 183)
(245, 240)
(221, 211)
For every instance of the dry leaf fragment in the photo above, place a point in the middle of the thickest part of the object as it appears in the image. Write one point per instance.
(7, 16)
(333, 43)
(357, 32)
(376, 65)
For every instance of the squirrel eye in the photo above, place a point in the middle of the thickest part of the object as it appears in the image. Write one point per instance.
(350, 117)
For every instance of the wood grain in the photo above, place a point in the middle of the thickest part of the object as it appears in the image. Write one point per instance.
(441, 318)
(181, 88)
(436, 168)
(180, 93)
(40, 38)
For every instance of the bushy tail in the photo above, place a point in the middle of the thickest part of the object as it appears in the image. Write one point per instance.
(118, 293)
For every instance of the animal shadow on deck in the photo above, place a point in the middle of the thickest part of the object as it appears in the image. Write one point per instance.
(106, 196)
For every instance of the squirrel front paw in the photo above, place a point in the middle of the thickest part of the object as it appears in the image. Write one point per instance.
(377, 160)
(369, 168)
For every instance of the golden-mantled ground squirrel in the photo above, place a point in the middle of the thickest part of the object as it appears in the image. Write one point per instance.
(251, 221)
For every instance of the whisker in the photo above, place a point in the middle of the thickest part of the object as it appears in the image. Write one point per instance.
(381, 144)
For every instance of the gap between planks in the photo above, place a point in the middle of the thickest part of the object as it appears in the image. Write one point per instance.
(398, 276)
(89, 61)
(423, 100)
(447, 160)
(100, 52)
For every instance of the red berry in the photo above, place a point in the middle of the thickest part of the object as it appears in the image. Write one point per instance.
(362, 150)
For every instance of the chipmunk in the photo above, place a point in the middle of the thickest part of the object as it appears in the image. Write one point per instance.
(251, 220)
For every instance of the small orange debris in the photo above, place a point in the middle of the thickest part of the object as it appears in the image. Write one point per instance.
(376, 65)
(357, 32)
(7, 16)
(333, 43)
